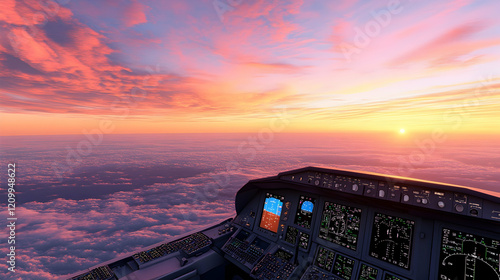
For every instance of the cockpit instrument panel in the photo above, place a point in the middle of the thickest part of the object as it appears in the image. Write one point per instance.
(304, 215)
(368, 272)
(343, 267)
(340, 224)
(468, 256)
(291, 235)
(271, 212)
(389, 276)
(324, 259)
(391, 239)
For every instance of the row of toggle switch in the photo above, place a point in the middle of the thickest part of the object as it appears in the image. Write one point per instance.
(412, 195)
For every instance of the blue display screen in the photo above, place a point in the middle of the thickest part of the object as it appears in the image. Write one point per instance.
(305, 208)
(271, 212)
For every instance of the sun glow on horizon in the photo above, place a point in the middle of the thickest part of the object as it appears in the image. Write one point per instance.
(302, 72)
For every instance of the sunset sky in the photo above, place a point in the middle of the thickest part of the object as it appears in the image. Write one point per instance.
(334, 78)
(210, 66)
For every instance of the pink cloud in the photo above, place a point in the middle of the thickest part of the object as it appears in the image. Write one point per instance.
(205, 63)
(273, 67)
(449, 46)
(134, 14)
(9, 15)
(266, 18)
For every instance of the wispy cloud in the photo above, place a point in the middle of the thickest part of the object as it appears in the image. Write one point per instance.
(83, 57)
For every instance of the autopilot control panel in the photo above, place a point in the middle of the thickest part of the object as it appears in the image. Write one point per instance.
(316, 223)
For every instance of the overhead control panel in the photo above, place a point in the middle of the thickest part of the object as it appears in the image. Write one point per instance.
(425, 194)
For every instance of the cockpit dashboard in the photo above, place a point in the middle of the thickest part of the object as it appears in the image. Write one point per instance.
(337, 224)
(315, 223)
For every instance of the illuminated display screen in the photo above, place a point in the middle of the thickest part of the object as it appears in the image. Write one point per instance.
(304, 214)
(292, 234)
(368, 273)
(391, 239)
(389, 276)
(343, 267)
(340, 224)
(324, 259)
(303, 240)
(468, 256)
(271, 213)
